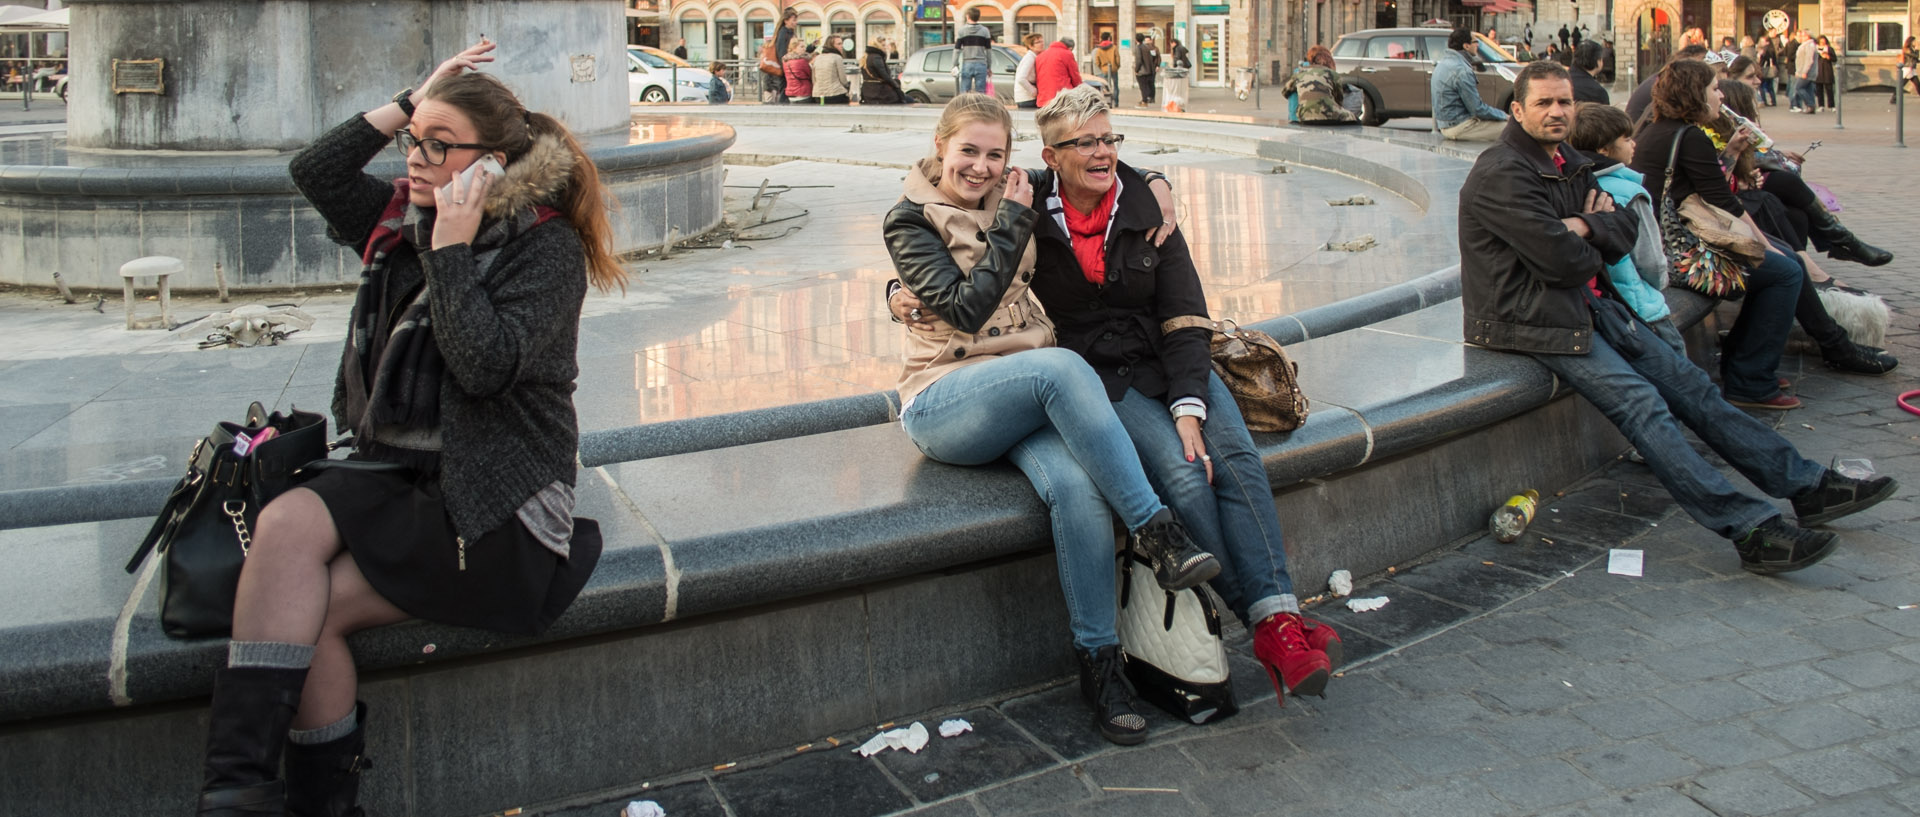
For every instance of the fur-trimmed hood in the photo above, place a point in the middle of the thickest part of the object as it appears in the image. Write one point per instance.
(538, 177)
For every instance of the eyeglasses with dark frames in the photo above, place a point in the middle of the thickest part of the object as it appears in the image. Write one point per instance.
(1085, 144)
(433, 150)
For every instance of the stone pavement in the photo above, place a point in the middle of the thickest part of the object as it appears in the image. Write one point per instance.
(1515, 679)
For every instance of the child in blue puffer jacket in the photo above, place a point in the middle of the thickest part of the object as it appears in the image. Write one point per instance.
(1605, 134)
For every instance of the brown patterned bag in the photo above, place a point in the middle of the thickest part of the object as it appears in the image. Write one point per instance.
(1264, 382)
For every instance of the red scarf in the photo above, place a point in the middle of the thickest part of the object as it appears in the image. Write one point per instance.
(1089, 235)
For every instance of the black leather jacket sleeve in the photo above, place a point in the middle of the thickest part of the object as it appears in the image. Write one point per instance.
(963, 298)
(1551, 253)
(1184, 353)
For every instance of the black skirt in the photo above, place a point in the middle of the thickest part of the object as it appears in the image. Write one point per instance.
(396, 526)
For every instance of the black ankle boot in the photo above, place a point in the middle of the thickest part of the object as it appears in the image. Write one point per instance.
(1841, 243)
(323, 779)
(252, 707)
(1105, 688)
(1177, 562)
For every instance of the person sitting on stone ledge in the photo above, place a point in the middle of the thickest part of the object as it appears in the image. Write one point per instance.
(456, 505)
(1536, 234)
(1458, 110)
(1112, 271)
(982, 381)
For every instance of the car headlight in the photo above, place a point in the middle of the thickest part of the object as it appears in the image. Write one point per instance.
(689, 83)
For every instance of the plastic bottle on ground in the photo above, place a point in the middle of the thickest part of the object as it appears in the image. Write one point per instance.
(1510, 520)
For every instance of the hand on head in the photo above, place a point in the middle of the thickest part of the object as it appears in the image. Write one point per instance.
(468, 60)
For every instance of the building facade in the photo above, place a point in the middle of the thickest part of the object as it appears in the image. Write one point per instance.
(1868, 32)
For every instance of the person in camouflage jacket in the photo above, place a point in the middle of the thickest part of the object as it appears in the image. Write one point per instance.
(1319, 90)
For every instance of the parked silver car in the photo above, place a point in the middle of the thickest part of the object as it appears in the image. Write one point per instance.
(1394, 69)
(930, 74)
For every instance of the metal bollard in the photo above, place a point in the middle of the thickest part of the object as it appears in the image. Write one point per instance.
(1900, 115)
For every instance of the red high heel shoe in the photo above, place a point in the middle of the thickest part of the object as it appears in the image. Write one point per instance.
(1280, 644)
(1320, 636)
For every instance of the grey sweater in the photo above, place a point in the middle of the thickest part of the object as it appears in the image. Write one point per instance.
(509, 338)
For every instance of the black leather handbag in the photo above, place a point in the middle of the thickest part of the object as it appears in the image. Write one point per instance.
(206, 527)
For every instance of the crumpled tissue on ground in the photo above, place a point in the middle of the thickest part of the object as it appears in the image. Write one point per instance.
(912, 738)
(1366, 605)
(954, 728)
(644, 808)
(1340, 583)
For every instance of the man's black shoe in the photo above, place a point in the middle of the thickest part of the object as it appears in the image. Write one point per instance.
(1777, 547)
(1839, 495)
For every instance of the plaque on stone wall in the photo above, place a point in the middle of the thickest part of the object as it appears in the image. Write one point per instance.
(139, 76)
(583, 68)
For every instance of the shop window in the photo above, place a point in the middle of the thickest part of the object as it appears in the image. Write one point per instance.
(1875, 26)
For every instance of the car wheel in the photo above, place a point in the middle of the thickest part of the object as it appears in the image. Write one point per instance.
(1506, 103)
(917, 97)
(654, 94)
(1370, 111)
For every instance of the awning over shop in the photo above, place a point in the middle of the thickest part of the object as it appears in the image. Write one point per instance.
(1499, 6)
(55, 20)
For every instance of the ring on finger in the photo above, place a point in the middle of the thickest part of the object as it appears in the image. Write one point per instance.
(914, 313)
(1205, 458)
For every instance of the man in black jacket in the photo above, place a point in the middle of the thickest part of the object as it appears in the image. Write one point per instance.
(1535, 235)
(1586, 63)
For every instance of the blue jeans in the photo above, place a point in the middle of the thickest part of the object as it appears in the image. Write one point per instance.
(1802, 93)
(1648, 399)
(1234, 518)
(973, 77)
(1047, 411)
(1749, 364)
(1766, 91)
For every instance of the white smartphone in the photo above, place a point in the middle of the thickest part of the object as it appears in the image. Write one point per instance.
(467, 177)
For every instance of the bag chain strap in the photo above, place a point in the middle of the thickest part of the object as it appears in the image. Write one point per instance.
(236, 509)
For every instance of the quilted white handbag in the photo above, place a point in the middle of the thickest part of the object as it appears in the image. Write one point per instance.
(1175, 657)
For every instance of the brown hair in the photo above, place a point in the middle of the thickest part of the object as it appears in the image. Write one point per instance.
(1741, 98)
(1319, 55)
(1032, 40)
(1680, 93)
(1595, 126)
(507, 125)
(968, 108)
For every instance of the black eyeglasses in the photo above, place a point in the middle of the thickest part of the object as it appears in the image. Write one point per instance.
(1085, 144)
(433, 150)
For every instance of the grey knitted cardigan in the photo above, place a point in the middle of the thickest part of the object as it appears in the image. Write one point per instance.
(509, 338)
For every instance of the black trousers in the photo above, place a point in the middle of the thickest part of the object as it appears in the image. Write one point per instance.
(1146, 87)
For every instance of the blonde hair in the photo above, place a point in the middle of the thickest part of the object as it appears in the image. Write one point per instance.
(967, 109)
(1069, 111)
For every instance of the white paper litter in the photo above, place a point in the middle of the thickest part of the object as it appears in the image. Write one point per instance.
(644, 808)
(1366, 605)
(912, 738)
(954, 728)
(1340, 583)
(1625, 562)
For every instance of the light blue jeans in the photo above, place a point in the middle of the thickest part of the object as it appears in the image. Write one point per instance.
(1234, 518)
(1648, 399)
(1047, 411)
(973, 77)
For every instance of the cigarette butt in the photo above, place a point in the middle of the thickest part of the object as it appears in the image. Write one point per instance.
(1907, 606)
(833, 741)
(725, 766)
(887, 725)
(1391, 569)
(803, 747)
(1488, 564)
(1140, 789)
(1546, 540)
(1339, 675)
(510, 812)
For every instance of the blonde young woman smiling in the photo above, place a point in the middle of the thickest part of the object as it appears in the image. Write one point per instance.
(982, 381)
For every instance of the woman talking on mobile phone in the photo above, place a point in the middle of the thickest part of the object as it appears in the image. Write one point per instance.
(457, 381)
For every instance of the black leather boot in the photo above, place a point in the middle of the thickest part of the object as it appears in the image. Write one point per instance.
(252, 707)
(1105, 688)
(1841, 243)
(323, 779)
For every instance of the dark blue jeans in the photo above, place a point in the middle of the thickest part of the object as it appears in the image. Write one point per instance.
(1233, 518)
(1648, 399)
(1750, 363)
(973, 77)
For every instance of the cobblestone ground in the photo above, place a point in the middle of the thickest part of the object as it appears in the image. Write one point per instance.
(1524, 679)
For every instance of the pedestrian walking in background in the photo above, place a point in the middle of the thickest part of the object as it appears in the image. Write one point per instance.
(1055, 70)
(719, 90)
(1909, 70)
(1806, 66)
(974, 43)
(1106, 63)
(1026, 88)
(681, 49)
(1536, 234)
(1823, 73)
(878, 86)
(1146, 63)
(1766, 62)
(829, 72)
(1566, 36)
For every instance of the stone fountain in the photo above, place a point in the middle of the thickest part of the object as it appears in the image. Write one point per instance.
(183, 116)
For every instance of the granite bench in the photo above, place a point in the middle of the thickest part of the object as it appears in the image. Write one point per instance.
(769, 592)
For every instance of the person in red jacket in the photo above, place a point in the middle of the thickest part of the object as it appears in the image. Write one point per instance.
(1055, 70)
